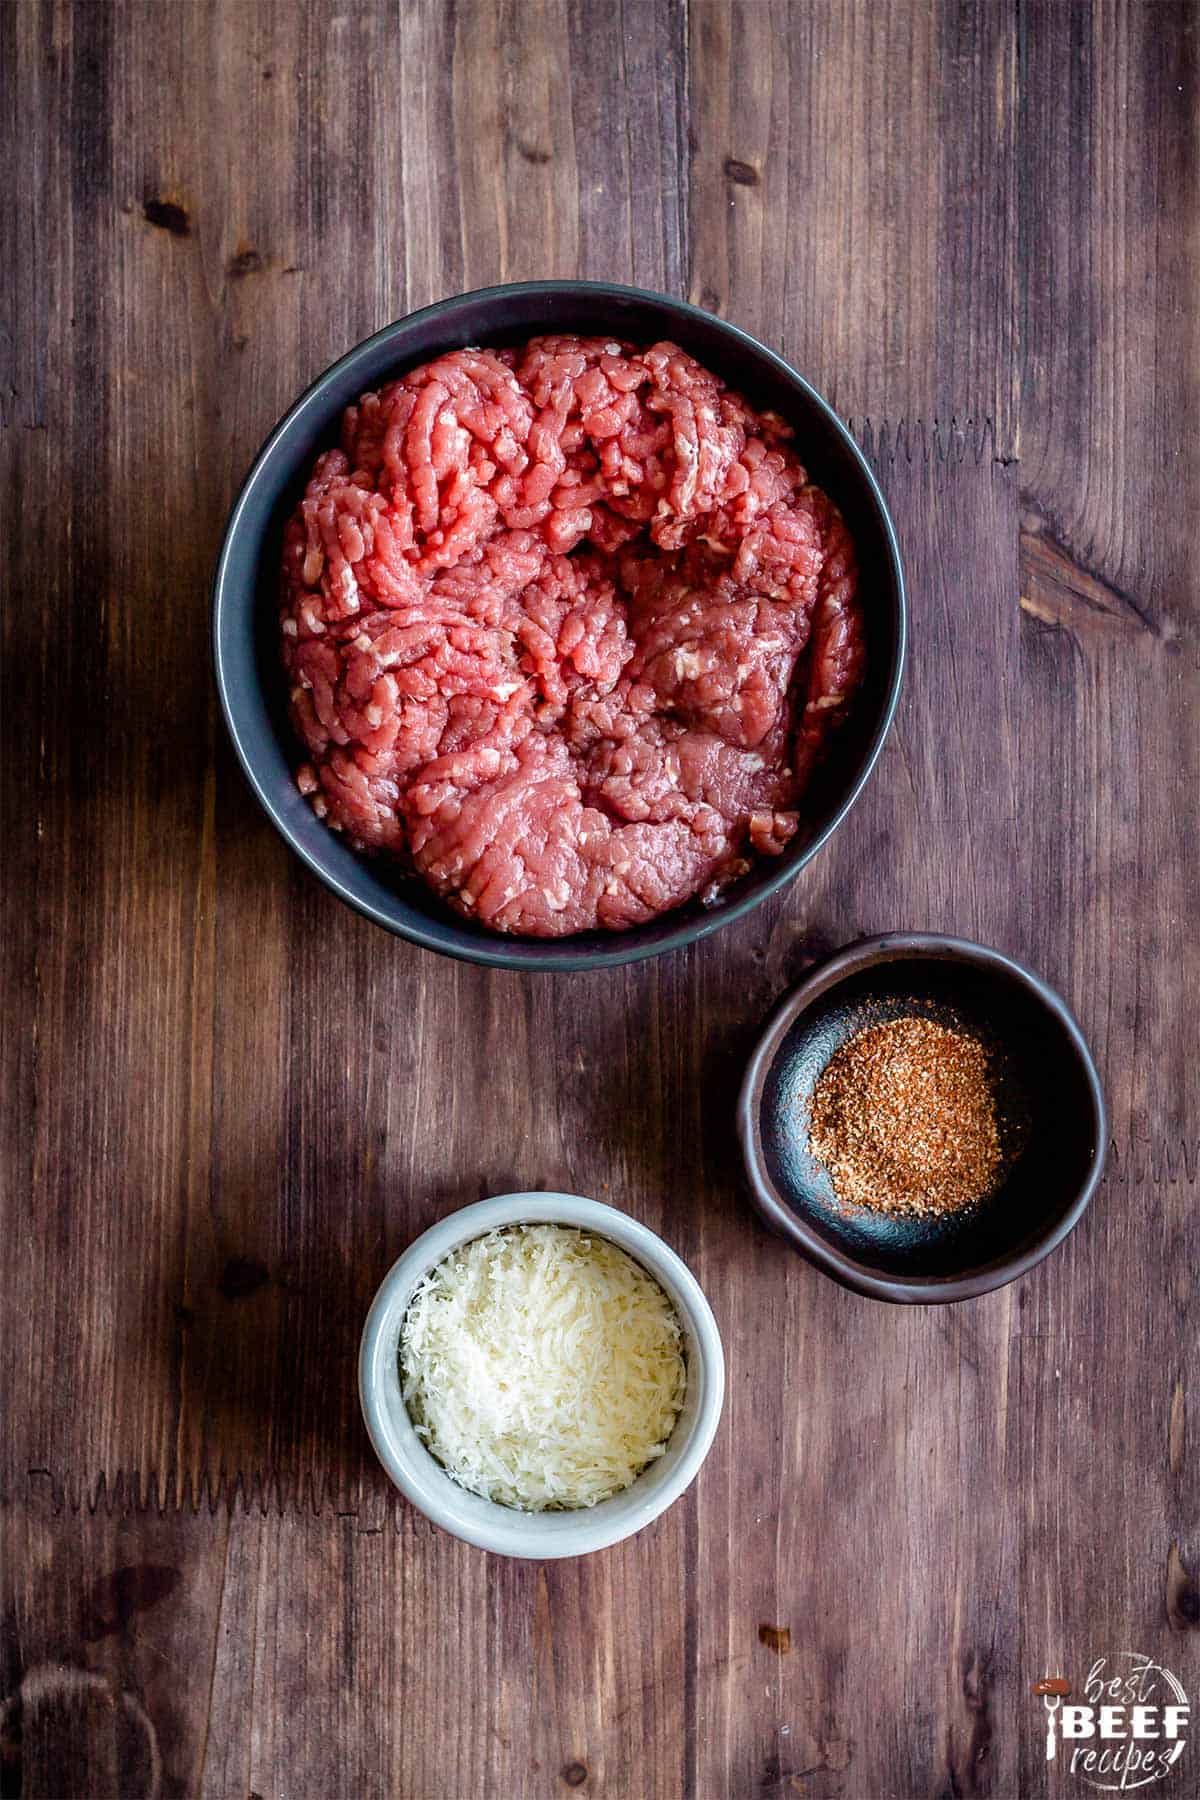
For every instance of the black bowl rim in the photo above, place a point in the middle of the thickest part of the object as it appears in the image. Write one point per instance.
(915, 1290)
(535, 953)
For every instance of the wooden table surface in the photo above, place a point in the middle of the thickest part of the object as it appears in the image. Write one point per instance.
(227, 1102)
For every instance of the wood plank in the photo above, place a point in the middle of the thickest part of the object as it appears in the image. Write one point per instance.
(853, 198)
(1110, 476)
(227, 1104)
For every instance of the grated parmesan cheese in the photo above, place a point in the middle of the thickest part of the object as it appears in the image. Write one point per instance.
(542, 1367)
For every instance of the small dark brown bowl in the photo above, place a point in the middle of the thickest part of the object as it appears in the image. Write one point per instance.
(1049, 1100)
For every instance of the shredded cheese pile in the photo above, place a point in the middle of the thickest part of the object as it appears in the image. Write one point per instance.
(542, 1367)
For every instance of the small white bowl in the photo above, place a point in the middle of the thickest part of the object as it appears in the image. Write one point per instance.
(502, 1528)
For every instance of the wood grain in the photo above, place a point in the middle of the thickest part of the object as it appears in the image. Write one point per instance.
(853, 196)
(226, 1104)
(1109, 480)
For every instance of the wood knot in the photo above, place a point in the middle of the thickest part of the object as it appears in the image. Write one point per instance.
(167, 215)
(246, 262)
(743, 174)
(1183, 1594)
(533, 153)
(241, 1277)
(575, 1774)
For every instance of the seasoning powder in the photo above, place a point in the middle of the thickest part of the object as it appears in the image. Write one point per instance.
(904, 1119)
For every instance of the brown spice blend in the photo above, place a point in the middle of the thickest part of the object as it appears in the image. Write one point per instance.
(904, 1118)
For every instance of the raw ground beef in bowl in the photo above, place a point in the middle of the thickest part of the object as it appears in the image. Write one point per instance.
(659, 757)
(567, 629)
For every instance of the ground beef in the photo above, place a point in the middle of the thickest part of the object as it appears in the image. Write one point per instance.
(566, 628)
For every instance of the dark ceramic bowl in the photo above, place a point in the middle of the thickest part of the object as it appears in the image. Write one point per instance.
(245, 601)
(1049, 1101)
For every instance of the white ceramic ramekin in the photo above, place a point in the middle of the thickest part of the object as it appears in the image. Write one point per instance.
(501, 1528)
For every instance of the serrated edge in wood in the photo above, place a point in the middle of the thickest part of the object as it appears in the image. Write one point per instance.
(953, 440)
(261, 1493)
